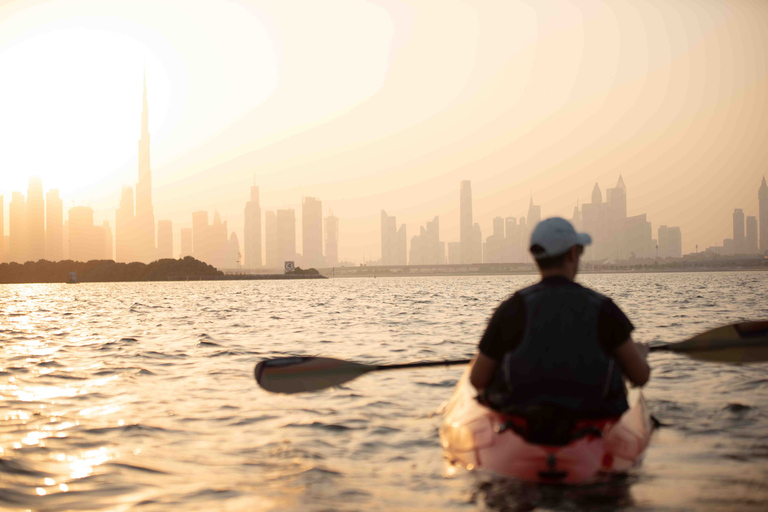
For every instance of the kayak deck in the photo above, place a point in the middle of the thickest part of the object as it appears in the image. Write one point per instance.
(477, 437)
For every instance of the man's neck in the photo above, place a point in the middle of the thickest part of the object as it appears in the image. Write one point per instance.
(557, 272)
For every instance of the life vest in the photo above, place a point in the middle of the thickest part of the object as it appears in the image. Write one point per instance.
(559, 361)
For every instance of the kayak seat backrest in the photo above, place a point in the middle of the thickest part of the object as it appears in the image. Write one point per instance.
(550, 426)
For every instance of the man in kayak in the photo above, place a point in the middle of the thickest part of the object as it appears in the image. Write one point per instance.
(558, 345)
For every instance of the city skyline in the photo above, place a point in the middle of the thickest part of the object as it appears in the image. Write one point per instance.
(546, 114)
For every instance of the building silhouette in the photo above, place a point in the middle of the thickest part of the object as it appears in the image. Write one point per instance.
(164, 239)
(186, 242)
(454, 253)
(495, 244)
(86, 241)
(35, 236)
(751, 240)
(252, 230)
(270, 240)
(476, 253)
(670, 242)
(466, 228)
(209, 241)
(393, 241)
(286, 236)
(17, 228)
(331, 240)
(426, 247)
(312, 232)
(54, 226)
(233, 257)
(762, 196)
(534, 215)
(125, 228)
(739, 239)
(135, 225)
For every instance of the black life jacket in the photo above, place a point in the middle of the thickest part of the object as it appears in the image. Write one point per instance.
(559, 362)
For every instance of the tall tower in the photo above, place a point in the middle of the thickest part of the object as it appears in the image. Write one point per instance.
(35, 220)
(252, 240)
(739, 241)
(762, 196)
(466, 232)
(145, 216)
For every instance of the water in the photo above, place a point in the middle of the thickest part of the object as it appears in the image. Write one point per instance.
(141, 396)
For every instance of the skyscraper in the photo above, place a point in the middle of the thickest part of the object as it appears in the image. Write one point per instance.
(534, 215)
(331, 240)
(466, 233)
(751, 242)
(164, 239)
(252, 240)
(86, 241)
(54, 226)
(125, 238)
(312, 232)
(35, 220)
(426, 247)
(17, 228)
(393, 241)
(670, 242)
(145, 216)
(739, 241)
(762, 196)
(270, 239)
(200, 235)
(286, 236)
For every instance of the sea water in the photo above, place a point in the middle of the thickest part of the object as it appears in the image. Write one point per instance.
(141, 396)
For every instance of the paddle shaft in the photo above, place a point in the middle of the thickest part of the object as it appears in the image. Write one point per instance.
(420, 364)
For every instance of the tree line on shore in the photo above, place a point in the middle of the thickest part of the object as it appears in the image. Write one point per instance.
(44, 271)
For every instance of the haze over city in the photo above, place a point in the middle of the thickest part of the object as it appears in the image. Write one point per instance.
(391, 112)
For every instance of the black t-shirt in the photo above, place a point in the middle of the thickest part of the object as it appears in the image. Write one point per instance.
(507, 325)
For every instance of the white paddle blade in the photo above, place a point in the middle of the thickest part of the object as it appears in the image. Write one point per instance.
(300, 374)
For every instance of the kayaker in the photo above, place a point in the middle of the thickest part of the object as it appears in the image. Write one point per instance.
(558, 345)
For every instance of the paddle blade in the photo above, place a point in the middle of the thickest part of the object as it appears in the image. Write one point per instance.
(299, 374)
(745, 342)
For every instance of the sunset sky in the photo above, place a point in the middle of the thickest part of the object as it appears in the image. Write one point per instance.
(389, 105)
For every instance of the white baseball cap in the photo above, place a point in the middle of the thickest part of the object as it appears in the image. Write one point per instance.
(555, 236)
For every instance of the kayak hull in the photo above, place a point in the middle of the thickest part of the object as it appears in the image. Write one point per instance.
(475, 436)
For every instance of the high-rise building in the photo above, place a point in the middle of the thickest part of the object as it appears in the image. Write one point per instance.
(200, 235)
(35, 220)
(186, 242)
(107, 234)
(312, 232)
(477, 244)
(54, 226)
(393, 241)
(286, 236)
(270, 239)
(751, 242)
(670, 242)
(232, 258)
(426, 247)
(762, 196)
(331, 240)
(495, 244)
(534, 214)
(86, 241)
(466, 232)
(252, 240)
(164, 239)
(145, 216)
(125, 236)
(739, 240)
(17, 228)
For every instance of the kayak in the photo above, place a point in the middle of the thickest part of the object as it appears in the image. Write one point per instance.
(481, 438)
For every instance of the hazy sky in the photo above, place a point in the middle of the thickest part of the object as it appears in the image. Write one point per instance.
(389, 105)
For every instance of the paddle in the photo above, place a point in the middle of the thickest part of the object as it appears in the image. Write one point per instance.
(736, 343)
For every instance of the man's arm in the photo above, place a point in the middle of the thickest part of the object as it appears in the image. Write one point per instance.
(483, 369)
(631, 357)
